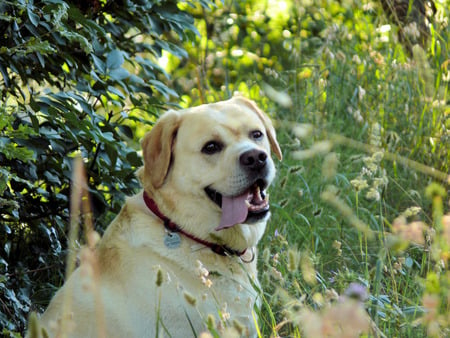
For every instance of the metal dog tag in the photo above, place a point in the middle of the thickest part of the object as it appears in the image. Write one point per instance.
(172, 240)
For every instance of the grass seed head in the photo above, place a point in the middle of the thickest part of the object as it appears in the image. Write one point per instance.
(211, 322)
(190, 298)
(159, 277)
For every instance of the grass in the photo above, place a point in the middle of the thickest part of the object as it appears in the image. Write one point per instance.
(359, 202)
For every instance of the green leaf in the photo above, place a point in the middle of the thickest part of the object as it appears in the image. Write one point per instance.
(34, 18)
(75, 37)
(126, 130)
(119, 74)
(114, 59)
(99, 64)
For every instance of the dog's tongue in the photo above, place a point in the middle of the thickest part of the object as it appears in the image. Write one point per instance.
(234, 211)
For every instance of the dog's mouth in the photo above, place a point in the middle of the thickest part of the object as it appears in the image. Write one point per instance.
(250, 206)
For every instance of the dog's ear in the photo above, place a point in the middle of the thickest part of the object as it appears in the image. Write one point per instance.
(266, 121)
(157, 148)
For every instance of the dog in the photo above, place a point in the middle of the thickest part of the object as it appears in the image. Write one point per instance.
(180, 257)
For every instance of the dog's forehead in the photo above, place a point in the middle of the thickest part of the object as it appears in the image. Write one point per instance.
(233, 117)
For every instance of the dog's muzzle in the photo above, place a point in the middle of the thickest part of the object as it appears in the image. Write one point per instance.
(247, 207)
(252, 203)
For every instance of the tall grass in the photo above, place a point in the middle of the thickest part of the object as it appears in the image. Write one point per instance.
(361, 213)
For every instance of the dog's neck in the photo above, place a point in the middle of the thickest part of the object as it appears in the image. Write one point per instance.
(219, 249)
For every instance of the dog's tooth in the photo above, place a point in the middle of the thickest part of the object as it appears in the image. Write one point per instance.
(263, 195)
(247, 203)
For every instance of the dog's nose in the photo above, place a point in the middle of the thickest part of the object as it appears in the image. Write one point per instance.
(254, 159)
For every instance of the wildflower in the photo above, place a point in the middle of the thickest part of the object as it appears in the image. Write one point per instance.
(397, 266)
(275, 259)
(380, 181)
(378, 156)
(207, 282)
(357, 291)
(306, 73)
(361, 93)
(357, 116)
(331, 295)
(271, 72)
(377, 58)
(276, 274)
(371, 164)
(446, 76)
(337, 245)
(411, 211)
(373, 194)
(375, 135)
(201, 270)
(366, 172)
(359, 184)
(225, 314)
(356, 59)
(411, 30)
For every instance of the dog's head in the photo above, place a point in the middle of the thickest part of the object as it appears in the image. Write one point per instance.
(208, 169)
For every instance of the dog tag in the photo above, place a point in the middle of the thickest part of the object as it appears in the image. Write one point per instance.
(172, 240)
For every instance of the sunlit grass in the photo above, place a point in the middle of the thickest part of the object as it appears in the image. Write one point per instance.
(351, 199)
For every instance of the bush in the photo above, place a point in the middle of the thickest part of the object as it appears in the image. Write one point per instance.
(77, 78)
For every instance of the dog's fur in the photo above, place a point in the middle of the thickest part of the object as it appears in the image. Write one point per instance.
(132, 255)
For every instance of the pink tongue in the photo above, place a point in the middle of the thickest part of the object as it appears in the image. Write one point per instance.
(234, 211)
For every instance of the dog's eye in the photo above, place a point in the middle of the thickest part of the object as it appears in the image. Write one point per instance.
(256, 134)
(212, 147)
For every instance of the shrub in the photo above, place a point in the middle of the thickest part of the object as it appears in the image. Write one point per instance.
(77, 77)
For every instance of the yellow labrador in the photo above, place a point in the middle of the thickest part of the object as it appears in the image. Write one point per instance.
(179, 259)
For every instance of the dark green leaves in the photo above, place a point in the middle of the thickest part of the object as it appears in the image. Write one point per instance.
(114, 59)
(76, 77)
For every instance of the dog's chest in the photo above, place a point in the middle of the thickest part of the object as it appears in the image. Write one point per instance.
(186, 291)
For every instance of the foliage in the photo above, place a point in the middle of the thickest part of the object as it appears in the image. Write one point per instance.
(76, 78)
(362, 118)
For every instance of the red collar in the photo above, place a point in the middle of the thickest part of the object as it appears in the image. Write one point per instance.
(172, 227)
